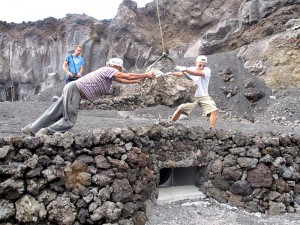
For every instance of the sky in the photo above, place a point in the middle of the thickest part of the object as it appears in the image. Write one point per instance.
(18, 11)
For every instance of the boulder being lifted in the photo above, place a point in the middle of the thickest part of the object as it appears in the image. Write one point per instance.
(165, 89)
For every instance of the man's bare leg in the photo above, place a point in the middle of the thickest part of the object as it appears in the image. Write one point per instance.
(213, 119)
(176, 115)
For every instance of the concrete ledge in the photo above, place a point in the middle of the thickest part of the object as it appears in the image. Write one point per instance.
(177, 193)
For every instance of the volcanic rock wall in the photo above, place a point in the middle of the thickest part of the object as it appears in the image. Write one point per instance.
(112, 175)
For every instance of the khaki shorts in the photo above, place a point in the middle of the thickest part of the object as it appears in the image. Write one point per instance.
(206, 103)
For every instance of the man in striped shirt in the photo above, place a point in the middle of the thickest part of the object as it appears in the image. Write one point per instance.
(62, 115)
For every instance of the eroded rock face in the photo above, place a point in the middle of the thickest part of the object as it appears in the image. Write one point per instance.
(276, 59)
(32, 53)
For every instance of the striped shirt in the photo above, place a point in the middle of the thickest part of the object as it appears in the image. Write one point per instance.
(97, 83)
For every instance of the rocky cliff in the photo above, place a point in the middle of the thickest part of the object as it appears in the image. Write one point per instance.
(264, 34)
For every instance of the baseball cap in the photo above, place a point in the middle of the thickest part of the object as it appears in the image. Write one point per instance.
(115, 62)
(202, 58)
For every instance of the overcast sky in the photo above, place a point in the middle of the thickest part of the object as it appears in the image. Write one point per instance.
(18, 11)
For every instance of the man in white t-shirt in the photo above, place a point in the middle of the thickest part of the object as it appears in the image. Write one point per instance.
(200, 74)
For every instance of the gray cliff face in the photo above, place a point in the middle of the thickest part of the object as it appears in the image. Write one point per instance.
(32, 53)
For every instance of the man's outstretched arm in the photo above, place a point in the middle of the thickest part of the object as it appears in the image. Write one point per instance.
(134, 76)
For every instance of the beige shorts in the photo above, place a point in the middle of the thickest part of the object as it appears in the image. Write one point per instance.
(206, 103)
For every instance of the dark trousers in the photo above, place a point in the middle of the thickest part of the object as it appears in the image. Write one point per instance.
(70, 79)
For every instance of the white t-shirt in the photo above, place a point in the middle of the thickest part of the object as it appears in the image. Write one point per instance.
(201, 81)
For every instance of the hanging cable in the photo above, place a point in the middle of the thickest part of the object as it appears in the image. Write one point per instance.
(164, 55)
(161, 33)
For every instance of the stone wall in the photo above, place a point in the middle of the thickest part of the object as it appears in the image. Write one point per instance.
(111, 175)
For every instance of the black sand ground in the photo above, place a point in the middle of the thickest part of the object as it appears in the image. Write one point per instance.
(15, 115)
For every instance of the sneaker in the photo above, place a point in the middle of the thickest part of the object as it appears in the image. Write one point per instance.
(26, 130)
(42, 132)
(54, 98)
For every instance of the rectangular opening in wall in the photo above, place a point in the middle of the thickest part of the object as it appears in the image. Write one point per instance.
(178, 184)
(177, 176)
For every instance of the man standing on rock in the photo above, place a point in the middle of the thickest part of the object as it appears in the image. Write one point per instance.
(62, 115)
(200, 75)
(73, 65)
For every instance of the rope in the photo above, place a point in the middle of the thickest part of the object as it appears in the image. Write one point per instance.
(161, 33)
(164, 54)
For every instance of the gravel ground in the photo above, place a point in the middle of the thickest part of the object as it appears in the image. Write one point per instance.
(15, 115)
(204, 212)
